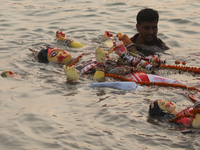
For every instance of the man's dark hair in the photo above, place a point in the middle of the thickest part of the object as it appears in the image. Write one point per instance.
(42, 56)
(147, 15)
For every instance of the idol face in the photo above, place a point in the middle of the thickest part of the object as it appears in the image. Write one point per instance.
(166, 105)
(59, 55)
(147, 31)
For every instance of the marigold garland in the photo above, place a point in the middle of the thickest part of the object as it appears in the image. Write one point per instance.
(76, 60)
(153, 83)
(182, 68)
(183, 63)
(177, 62)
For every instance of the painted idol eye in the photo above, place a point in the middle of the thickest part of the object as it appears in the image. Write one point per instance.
(54, 54)
(163, 103)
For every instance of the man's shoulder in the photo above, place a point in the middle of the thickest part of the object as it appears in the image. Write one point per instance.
(161, 44)
(133, 39)
(157, 42)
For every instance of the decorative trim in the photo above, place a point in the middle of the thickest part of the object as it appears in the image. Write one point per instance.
(147, 83)
(76, 60)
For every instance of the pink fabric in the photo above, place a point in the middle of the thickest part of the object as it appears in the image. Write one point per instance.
(184, 121)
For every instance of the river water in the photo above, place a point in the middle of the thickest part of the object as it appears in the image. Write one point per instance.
(41, 111)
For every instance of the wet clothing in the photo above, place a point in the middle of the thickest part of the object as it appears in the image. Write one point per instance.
(158, 42)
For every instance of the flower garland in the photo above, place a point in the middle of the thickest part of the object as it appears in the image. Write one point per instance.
(178, 62)
(182, 68)
(76, 60)
(153, 83)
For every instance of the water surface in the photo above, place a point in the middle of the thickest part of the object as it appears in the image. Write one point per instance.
(39, 110)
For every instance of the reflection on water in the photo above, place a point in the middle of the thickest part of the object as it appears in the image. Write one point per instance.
(40, 110)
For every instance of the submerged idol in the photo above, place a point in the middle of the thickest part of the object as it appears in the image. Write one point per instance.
(132, 66)
(189, 117)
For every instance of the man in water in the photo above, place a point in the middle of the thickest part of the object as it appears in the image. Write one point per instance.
(146, 40)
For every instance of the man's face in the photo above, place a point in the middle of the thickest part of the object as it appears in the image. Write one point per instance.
(147, 31)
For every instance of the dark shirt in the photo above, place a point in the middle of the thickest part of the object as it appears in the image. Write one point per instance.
(157, 42)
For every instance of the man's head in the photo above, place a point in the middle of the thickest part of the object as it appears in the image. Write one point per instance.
(147, 20)
(147, 15)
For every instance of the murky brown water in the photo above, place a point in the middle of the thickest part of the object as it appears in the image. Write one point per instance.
(39, 110)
